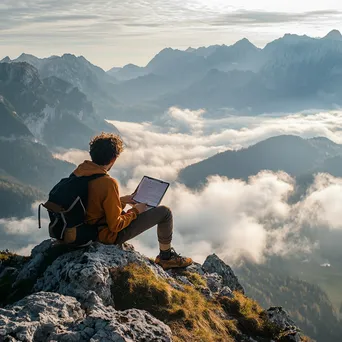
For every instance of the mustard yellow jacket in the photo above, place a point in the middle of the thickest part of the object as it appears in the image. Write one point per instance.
(104, 205)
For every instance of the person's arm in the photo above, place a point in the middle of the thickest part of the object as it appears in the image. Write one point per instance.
(123, 204)
(128, 199)
(112, 208)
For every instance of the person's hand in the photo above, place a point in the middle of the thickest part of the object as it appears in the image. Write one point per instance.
(141, 207)
(128, 199)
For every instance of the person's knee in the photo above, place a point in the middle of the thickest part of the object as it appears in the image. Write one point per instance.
(166, 211)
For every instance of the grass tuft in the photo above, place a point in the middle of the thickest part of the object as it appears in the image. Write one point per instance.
(189, 314)
(251, 317)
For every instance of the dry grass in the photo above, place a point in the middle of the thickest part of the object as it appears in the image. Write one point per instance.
(4, 256)
(11, 259)
(251, 317)
(195, 279)
(190, 316)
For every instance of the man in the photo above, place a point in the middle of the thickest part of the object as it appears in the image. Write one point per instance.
(106, 206)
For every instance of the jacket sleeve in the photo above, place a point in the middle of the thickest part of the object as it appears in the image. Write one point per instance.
(112, 208)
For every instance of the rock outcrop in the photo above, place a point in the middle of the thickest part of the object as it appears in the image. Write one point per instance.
(75, 298)
(213, 264)
(88, 270)
(53, 317)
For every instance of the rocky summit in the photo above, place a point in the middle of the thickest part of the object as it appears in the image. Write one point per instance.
(113, 293)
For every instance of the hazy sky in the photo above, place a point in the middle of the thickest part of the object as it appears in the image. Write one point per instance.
(116, 32)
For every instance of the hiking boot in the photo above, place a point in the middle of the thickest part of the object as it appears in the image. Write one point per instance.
(175, 261)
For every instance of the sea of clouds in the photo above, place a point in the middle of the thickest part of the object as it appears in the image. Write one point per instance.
(230, 217)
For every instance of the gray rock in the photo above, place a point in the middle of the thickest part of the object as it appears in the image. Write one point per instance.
(76, 273)
(214, 281)
(42, 256)
(53, 317)
(42, 247)
(30, 271)
(184, 280)
(226, 292)
(74, 299)
(129, 325)
(206, 292)
(213, 264)
(196, 268)
(279, 317)
(177, 286)
(38, 313)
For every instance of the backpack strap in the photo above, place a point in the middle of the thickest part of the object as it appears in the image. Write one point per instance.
(39, 221)
(91, 177)
(52, 207)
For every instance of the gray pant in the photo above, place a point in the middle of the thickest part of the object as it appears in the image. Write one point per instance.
(161, 216)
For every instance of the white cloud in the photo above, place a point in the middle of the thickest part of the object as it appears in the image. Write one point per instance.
(73, 156)
(229, 217)
(183, 137)
(21, 236)
(322, 206)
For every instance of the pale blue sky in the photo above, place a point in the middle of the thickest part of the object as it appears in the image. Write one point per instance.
(116, 32)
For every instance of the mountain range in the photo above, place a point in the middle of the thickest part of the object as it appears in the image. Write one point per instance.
(289, 74)
(36, 115)
(54, 110)
(296, 156)
(23, 157)
(79, 73)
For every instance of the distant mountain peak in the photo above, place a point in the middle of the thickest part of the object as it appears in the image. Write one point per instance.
(287, 39)
(26, 55)
(167, 49)
(190, 49)
(69, 55)
(295, 37)
(6, 60)
(245, 43)
(131, 66)
(21, 72)
(334, 35)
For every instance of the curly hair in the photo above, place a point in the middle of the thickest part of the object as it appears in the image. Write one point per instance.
(105, 147)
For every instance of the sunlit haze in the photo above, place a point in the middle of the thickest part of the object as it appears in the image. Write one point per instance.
(113, 33)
